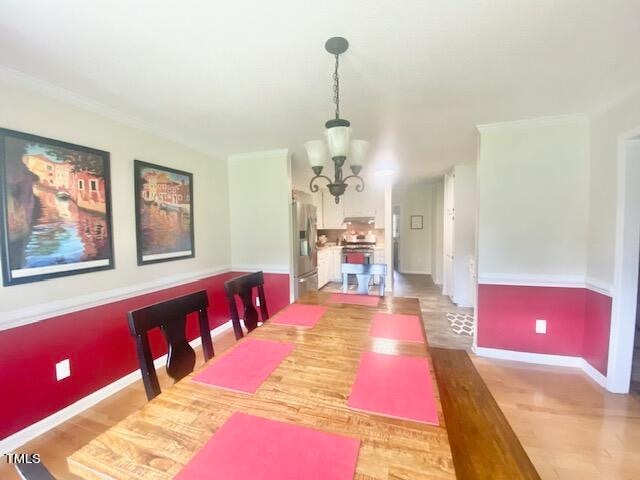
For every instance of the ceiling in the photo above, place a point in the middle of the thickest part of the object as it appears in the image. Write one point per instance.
(238, 76)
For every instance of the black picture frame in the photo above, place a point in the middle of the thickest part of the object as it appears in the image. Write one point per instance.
(149, 207)
(415, 223)
(55, 207)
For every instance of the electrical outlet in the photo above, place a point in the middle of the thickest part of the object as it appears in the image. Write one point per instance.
(541, 326)
(63, 369)
(257, 301)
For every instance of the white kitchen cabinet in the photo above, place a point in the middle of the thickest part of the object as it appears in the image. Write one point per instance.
(324, 266)
(333, 215)
(336, 264)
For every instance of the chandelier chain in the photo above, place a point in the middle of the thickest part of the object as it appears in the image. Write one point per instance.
(336, 88)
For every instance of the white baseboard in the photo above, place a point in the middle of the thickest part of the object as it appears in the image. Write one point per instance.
(543, 359)
(10, 443)
(416, 272)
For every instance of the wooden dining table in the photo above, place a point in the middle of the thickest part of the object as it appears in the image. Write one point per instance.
(309, 388)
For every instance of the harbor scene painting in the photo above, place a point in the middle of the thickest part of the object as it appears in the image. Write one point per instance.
(56, 208)
(164, 213)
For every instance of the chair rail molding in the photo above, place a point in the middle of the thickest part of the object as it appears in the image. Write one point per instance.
(35, 313)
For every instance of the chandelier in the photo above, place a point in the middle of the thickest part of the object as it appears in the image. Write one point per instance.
(338, 144)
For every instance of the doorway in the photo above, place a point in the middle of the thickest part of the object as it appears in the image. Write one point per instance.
(395, 231)
(625, 295)
(634, 388)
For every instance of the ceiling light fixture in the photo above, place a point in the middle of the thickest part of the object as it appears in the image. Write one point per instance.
(338, 143)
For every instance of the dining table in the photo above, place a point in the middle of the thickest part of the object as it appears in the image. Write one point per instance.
(309, 388)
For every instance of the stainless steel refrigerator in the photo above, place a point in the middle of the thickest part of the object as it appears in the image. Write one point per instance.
(305, 255)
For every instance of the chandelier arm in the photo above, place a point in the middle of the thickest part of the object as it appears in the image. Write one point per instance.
(359, 188)
(314, 188)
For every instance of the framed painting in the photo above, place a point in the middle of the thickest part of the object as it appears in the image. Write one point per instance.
(164, 213)
(416, 222)
(56, 208)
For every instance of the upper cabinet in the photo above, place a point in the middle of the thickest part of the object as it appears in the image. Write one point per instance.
(369, 203)
(332, 213)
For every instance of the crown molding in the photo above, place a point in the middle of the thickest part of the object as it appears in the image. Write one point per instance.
(46, 89)
(533, 122)
(262, 154)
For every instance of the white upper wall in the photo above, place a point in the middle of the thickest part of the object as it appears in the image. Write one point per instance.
(260, 206)
(34, 113)
(533, 185)
(605, 130)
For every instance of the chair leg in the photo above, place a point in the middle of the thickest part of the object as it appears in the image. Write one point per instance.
(345, 282)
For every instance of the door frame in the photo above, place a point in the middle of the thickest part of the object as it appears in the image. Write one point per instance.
(625, 287)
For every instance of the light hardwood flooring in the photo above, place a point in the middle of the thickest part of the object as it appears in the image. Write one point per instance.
(569, 426)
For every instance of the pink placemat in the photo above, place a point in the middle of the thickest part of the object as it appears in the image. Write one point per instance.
(299, 315)
(254, 448)
(397, 386)
(353, 299)
(396, 327)
(245, 367)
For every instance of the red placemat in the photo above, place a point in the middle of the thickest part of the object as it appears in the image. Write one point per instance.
(353, 299)
(397, 386)
(299, 315)
(396, 327)
(245, 367)
(254, 448)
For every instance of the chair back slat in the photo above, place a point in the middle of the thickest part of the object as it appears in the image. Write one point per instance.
(364, 272)
(243, 286)
(170, 317)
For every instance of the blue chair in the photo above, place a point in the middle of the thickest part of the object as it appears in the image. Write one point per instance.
(364, 272)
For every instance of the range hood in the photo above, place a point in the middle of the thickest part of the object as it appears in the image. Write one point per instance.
(365, 220)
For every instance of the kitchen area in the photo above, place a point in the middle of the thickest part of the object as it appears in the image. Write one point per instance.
(328, 234)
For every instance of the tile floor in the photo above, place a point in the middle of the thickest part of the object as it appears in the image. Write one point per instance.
(434, 306)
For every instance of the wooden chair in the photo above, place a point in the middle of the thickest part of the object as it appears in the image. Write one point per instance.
(363, 272)
(170, 316)
(33, 471)
(243, 287)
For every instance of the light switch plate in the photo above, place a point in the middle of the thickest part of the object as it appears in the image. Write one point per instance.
(63, 369)
(541, 326)
(257, 301)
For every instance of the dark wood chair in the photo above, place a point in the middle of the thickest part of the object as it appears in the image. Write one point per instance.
(243, 287)
(171, 317)
(33, 471)
(363, 272)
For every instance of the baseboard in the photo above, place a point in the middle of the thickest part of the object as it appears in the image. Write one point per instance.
(595, 375)
(10, 443)
(527, 357)
(543, 359)
(415, 272)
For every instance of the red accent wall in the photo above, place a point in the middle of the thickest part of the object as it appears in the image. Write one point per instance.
(99, 347)
(578, 321)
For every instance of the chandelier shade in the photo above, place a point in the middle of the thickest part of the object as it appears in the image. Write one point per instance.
(316, 153)
(338, 141)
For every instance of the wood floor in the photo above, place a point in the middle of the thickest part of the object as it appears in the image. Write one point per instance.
(569, 426)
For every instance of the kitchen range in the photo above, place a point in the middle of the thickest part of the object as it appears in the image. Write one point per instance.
(358, 243)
